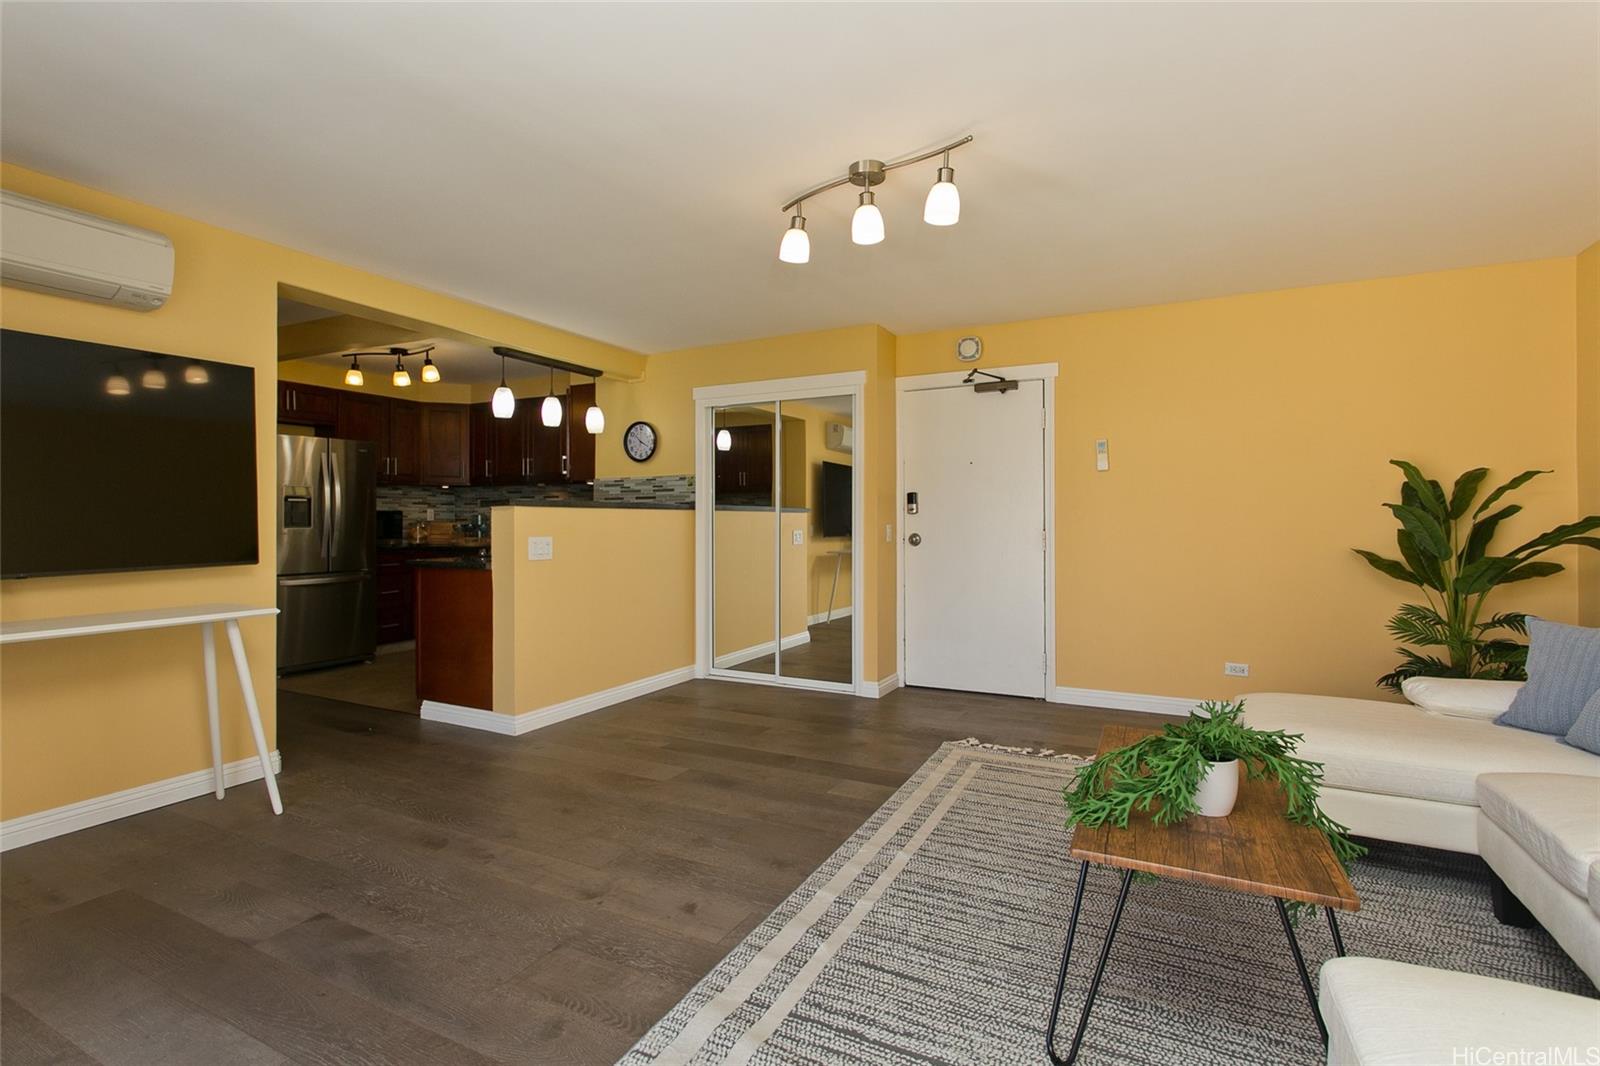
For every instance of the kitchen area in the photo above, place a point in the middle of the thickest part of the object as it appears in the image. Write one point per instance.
(390, 459)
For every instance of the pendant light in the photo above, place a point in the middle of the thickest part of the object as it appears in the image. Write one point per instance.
(866, 225)
(430, 373)
(503, 404)
(594, 419)
(195, 374)
(154, 378)
(550, 409)
(724, 440)
(118, 384)
(943, 207)
(796, 245)
(401, 377)
(354, 377)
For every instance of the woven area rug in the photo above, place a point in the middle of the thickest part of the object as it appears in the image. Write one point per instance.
(933, 934)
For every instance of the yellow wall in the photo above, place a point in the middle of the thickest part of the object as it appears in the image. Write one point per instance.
(86, 717)
(615, 603)
(1588, 390)
(743, 557)
(1249, 440)
(665, 398)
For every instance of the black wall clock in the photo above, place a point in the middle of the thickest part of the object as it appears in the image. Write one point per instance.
(639, 441)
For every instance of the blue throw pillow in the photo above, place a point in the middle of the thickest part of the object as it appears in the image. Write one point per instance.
(1563, 672)
(1585, 732)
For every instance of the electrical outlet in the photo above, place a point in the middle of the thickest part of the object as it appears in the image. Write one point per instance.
(888, 534)
(430, 514)
(1236, 669)
(541, 548)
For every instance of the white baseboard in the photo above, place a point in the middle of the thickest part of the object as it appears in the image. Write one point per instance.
(514, 725)
(838, 613)
(32, 828)
(1124, 701)
(756, 651)
(878, 689)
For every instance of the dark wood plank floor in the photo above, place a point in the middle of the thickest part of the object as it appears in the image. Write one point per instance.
(827, 656)
(433, 894)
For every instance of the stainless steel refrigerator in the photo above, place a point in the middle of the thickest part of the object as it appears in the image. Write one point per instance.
(327, 552)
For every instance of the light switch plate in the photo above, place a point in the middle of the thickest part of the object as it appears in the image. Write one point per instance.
(798, 538)
(1236, 669)
(541, 548)
(1102, 455)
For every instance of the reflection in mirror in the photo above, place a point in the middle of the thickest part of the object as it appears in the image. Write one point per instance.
(816, 487)
(745, 538)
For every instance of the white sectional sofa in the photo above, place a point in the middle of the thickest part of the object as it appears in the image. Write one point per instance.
(1540, 834)
(1394, 771)
(1526, 802)
(1382, 1013)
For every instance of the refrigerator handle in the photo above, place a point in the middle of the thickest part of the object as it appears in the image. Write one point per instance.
(336, 493)
(327, 508)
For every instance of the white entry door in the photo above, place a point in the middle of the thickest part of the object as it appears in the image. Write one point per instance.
(975, 548)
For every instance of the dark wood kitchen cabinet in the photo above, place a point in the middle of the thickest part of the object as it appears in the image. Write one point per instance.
(395, 426)
(745, 469)
(405, 443)
(480, 444)
(395, 596)
(446, 442)
(546, 446)
(362, 417)
(307, 405)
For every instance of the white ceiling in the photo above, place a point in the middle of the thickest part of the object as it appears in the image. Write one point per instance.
(617, 169)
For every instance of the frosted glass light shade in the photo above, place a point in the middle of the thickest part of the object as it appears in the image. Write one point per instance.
(502, 404)
(796, 246)
(594, 420)
(943, 207)
(550, 411)
(724, 441)
(154, 378)
(402, 378)
(866, 225)
(430, 373)
(195, 374)
(355, 377)
(117, 385)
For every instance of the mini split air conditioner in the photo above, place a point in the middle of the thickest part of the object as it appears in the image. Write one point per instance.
(63, 252)
(840, 437)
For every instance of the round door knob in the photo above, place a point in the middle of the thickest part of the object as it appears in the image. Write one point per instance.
(914, 539)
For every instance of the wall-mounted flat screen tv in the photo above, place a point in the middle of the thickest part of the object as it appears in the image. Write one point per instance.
(836, 499)
(118, 459)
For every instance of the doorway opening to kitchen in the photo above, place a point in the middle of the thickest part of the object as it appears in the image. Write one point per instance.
(395, 440)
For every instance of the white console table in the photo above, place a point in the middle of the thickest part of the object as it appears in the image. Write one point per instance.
(203, 615)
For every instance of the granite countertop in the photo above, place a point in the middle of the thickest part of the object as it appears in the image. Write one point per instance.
(617, 505)
(650, 505)
(438, 544)
(459, 562)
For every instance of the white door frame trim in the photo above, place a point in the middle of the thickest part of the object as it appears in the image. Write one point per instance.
(1046, 372)
(708, 397)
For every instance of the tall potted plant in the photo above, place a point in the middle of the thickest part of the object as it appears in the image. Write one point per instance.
(1445, 552)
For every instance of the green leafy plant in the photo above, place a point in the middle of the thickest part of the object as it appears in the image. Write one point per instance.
(1445, 552)
(1159, 774)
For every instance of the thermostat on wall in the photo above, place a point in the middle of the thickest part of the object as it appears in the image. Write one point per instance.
(968, 349)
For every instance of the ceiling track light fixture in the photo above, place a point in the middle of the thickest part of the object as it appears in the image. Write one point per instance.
(942, 207)
(401, 378)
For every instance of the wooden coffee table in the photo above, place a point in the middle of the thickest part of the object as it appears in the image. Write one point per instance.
(1255, 850)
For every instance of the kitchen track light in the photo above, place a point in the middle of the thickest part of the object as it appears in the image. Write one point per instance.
(942, 208)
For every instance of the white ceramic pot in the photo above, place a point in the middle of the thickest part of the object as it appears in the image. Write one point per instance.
(1219, 788)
